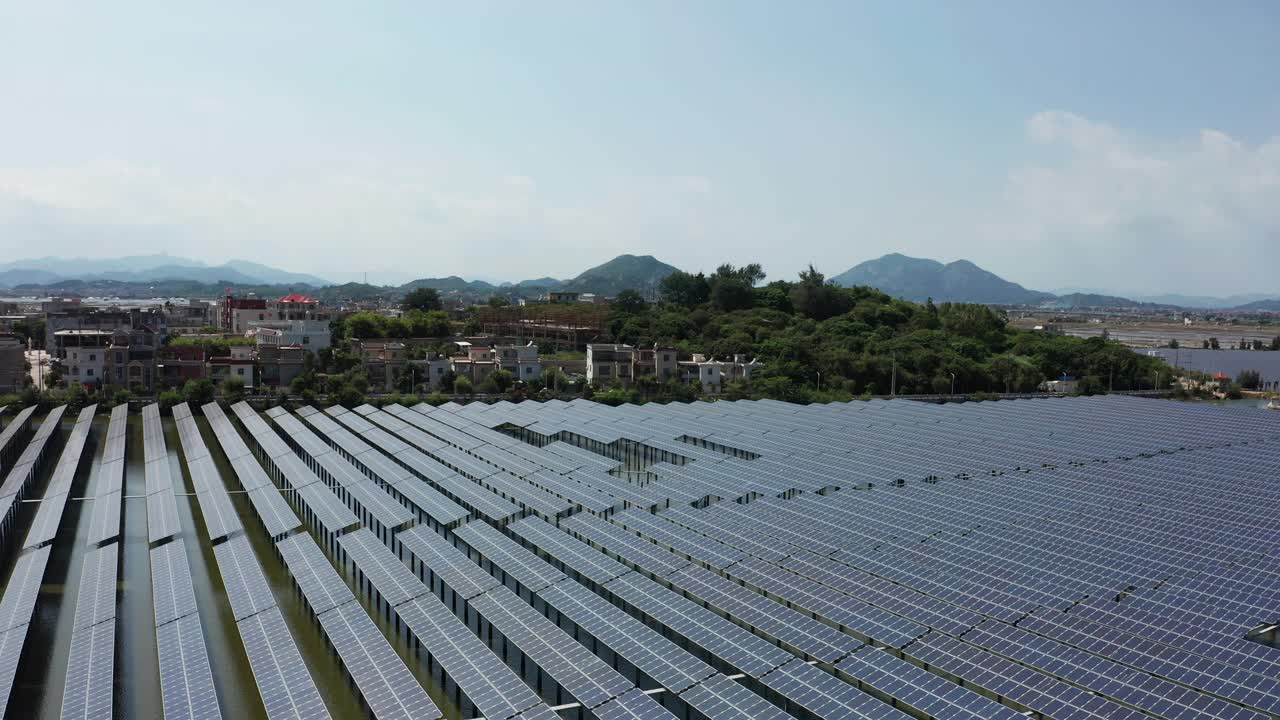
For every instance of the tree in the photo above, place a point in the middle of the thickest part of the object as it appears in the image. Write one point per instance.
(233, 389)
(1214, 344)
(199, 391)
(347, 395)
(502, 379)
(462, 386)
(818, 299)
(1249, 379)
(732, 293)
(422, 298)
(420, 324)
(683, 289)
(1275, 343)
(498, 301)
(628, 302)
(1173, 344)
(363, 325)
(169, 399)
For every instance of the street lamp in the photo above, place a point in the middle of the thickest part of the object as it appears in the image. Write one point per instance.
(953, 383)
(819, 380)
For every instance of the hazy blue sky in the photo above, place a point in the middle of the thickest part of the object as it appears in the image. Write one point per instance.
(1128, 145)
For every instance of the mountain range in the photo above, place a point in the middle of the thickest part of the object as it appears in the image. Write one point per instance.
(147, 268)
(918, 279)
(642, 273)
(911, 278)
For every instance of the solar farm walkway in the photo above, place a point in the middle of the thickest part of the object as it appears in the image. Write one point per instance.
(1065, 559)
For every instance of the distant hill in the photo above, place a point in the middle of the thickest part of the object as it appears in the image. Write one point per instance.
(625, 272)
(451, 284)
(1207, 302)
(24, 276)
(147, 269)
(918, 278)
(1271, 305)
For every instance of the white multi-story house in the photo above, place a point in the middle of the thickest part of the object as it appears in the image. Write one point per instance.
(310, 335)
(82, 354)
(520, 360)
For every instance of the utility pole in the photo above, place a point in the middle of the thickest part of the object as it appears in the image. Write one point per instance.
(953, 384)
(819, 380)
(893, 381)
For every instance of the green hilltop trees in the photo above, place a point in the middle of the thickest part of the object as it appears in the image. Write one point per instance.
(859, 339)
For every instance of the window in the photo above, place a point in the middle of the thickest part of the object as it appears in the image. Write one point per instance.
(89, 372)
(666, 357)
(603, 371)
(75, 370)
(239, 371)
(306, 339)
(93, 357)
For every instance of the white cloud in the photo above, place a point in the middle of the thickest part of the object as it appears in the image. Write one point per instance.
(1102, 206)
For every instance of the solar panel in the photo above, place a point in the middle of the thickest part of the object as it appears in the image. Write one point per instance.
(330, 513)
(384, 682)
(428, 500)
(579, 672)
(624, 545)
(220, 516)
(276, 515)
(162, 515)
(574, 554)
(172, 593)
(446, 562)
(319, 582)
(826, 696)
(158, 475)
(734, 645)
(633, 705)
(485, 502)
(539, 712)
(11, 642)
(246, 586)
(96, 597)
(719, 698)
(88, 692)
(48, 517)
(23, 587)
(526, 568)
(919, 689)
(286, 688)
(378, 505)
(491, 686)
(186, 681)
(642, 646)
(383, 570)
(104, 523)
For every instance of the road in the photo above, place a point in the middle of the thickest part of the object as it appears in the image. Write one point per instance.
(39, 360)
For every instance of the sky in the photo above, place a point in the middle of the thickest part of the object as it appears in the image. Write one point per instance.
(1121, 146)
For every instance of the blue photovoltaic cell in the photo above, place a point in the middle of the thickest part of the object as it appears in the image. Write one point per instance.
(186, 682)
(172, 593)
(319, 582)
(242, 578)
(720, 698)
(286, 688)
(88, 692)
(388, 688)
